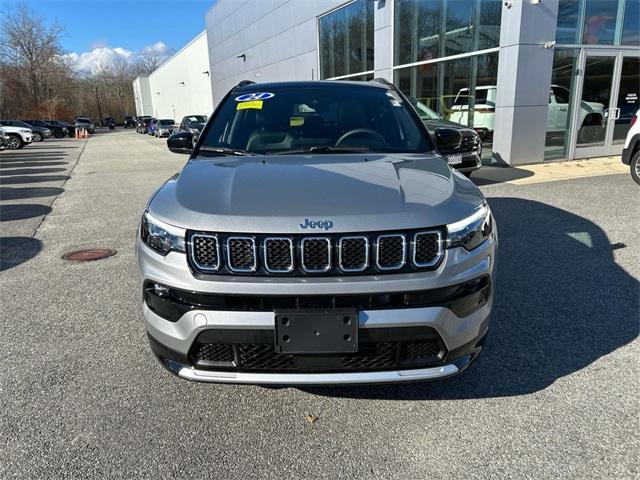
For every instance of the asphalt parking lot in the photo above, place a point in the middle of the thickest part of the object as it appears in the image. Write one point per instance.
(554, 394)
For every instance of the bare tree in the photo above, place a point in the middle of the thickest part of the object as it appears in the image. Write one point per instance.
(150, 59)
(31, 47)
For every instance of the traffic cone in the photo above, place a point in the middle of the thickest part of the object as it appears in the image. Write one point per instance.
(77, 133)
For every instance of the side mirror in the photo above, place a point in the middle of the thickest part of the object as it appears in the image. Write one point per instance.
(448, 139)
(181, 142)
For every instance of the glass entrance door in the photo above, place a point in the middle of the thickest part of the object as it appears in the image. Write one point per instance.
(607, 100)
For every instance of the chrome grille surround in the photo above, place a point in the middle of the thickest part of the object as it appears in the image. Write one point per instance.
(333, 254)
(267, 256)
(341, 249)
(199, 265)
(381, 240)
(303, 244)
(439, 250)
(230, 254)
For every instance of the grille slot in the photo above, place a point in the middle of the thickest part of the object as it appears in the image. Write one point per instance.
(278, 254)
(353, 254)
(391, 252)
(316, 254)
(241, 254)
(427, 248)
(205, 252)
(262, 356)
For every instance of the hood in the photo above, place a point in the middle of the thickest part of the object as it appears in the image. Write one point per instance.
(442, 123)
(276, 194)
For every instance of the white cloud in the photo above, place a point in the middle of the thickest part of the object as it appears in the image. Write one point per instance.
(102, 56)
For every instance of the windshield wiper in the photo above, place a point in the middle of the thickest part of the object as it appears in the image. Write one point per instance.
(325, 149)
(227, 151)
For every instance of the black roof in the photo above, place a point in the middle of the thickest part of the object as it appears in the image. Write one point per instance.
(325, 84)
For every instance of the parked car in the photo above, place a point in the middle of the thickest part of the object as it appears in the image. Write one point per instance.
(129, 121)
(17, 137)
(193, 124)
(109, 122)
(57, 132)
(631, 151)
(591, 119)
(4, 140)
(466, 156)
(151, 127)
(85, 123)
(143, 124)
(69, 126)
(39, 133)
(316, 236)
(165, 127)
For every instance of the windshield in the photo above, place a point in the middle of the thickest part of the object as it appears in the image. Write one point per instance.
(165, 122)
(83, 120)
(318, 118)
(196, 119)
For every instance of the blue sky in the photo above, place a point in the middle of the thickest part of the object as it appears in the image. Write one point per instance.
(127, 24)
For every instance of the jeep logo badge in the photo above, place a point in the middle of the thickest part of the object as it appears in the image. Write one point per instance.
(323, 224)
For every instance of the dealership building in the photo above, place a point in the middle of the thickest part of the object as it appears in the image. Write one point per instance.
(538, 79)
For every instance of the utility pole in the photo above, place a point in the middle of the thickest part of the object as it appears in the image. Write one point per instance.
(99, 109)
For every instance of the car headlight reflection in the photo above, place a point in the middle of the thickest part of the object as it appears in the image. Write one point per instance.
(472, 231)
(160, 236)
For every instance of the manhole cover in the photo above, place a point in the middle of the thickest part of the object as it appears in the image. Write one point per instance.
(89, 254)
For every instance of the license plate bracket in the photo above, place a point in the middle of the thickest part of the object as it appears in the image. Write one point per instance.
(316, 331)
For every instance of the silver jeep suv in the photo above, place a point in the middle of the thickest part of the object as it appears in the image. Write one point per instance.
(316, 236)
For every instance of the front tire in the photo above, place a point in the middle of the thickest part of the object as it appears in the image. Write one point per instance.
(14, 142)
(57, 134)
(634, 165)
(37, 137)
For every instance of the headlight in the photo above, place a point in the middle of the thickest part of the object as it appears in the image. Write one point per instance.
(25, 130)
(195, 131)
(472, 231)
(161, 237)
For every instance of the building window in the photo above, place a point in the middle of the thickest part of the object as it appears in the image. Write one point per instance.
(631, 26)
(430, 29)
(462, 90)
(346, 40)
(598, 22)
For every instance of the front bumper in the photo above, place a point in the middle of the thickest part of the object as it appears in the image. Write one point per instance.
(173, 341)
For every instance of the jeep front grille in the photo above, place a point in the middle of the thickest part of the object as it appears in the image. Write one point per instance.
(299, 255)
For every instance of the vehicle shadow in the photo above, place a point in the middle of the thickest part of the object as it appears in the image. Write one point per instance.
(30, 163)
(489, 175)
(15, 193)
(35, 179)
(561, 303)
(17, 250)
(21, 211)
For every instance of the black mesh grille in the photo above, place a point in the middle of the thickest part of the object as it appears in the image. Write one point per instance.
(381, 355)
(263, 357)
(316, 254)
(205, 251)
(391, 251)
(420, 350)
(214, 352)
(353, 254)
(377, 355)
(467, 145)
(279, 253)
(242, 254)
(426, 248)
